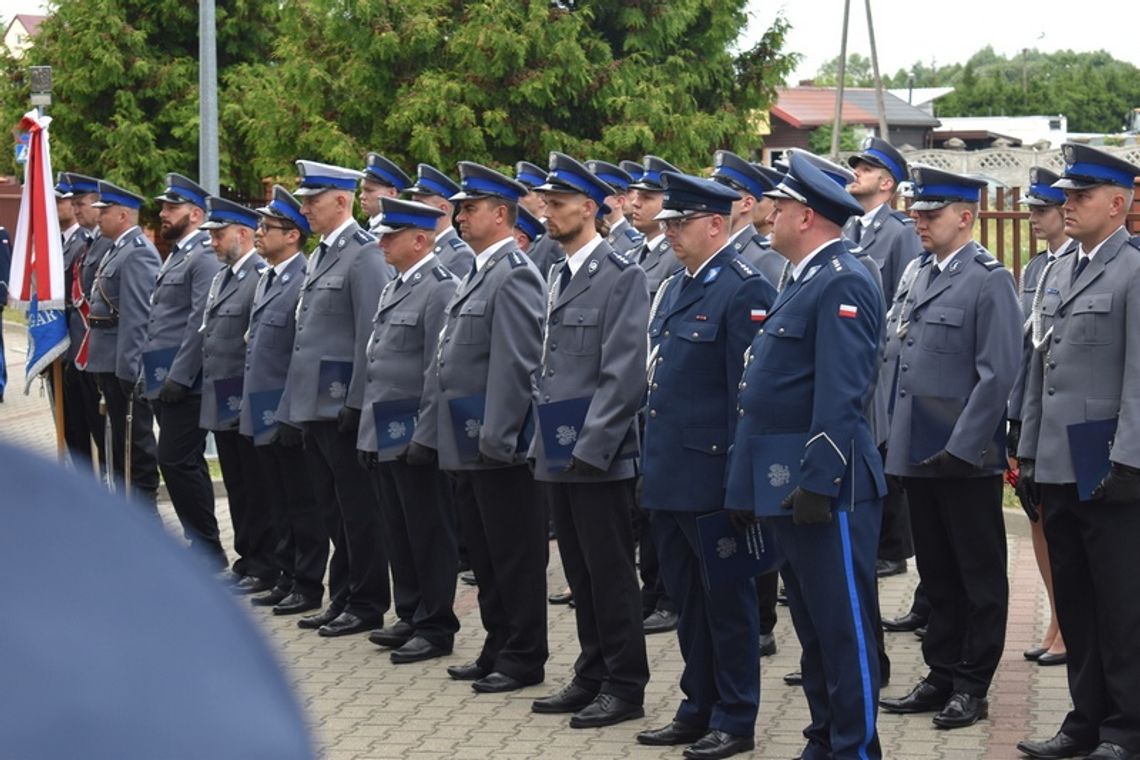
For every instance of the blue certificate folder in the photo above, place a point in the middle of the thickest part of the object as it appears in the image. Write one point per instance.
(729, 556)
(156, 366)
(1089, 446)
(560, 423)
(775, 470)
(263, 413)
(467, 423)
(395, 422)
(333, 378)
(227, 395)
(932, 421)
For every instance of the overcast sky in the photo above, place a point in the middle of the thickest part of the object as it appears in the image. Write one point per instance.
(907, 31)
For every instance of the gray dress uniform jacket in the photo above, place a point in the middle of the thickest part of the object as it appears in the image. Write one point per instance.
(544, 252)
(890, 240)
(623, 238)
(403, 344)
(225, 321)
(453, 252)
(121, 291)
(491, 345)
(334, 318)
(179, 296)
(960, 340)
(886, 384)
(658, 263)
(1090, 366)
(758, 252)
(269, 342)
(595, 347)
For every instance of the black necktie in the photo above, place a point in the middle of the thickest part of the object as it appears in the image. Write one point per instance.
(644, 252)
(226, 278)
(269, 278)
(857, 233)
(398, 285)
(564, 278)
(934, 272)
(1082, 262)
(686, 281)
(474, 268)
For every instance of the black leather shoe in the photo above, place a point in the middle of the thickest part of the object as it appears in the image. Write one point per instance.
(564, 598)
(295, 603)
(393, 636)
(795, 678)
(767, 644)
(606, 710)
(270, 598)
(497, 683)
(908, 622)
(1053, 658)
(321, 618)
(1034, 653)
(228, 577)
(660, 621)
(468, 578)
(922, 698)
(251, 584)
(920, 632)
(469, 672)
(674, 733)
(885, 568)
(1110, 751)
(717, 744)
(346, 623)
(1060, 746)
(569, 699)
(417, 649)
(962, 710)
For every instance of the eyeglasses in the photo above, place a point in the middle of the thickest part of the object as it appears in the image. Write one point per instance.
(266, 227)
(682, 222)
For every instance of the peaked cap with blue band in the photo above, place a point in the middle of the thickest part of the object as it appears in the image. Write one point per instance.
(1041, 191)
(652, 168)
(113, 195)
(478, 181)
(63, 189)
(317, 178)
(285, 206)
(180, 189)
(772, 175)
(530, 224)
(612, 174)
(1086, 166)
(878, 152)
(935, 188)
(806, 183)
(81, 183)
(566, 175)
(732, 170)
(431, 181)
(530, 175)
(633, 169)
(377, 168)
(222, 213)
(686, 195)
(396, 215)
(841, 175)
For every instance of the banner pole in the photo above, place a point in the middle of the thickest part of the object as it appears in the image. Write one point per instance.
(57, 387)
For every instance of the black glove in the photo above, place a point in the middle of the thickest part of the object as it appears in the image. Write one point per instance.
(367, 459)
(947, 464)
(172, 392)
(741, 520)
(418, 455)
(348, 420)
(808, 507)
(1027, 489)
(1121, 485)
(1027, 506)
(1012, 438)
(581, 467)
(287, 437)
(128, 387)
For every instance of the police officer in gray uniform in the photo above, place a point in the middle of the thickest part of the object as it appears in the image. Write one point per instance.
(434, 188)
(751, 183)
(120, 302)
(382, 179)
(224, 324)
(528, 228)
(960, 330)
(621, 236)
(1086, 368)
(172, 361)
(544, 250)
(591, 384)
(476, 418)
(325, 393)
(420, 526)
(647, 195)
(287, 493)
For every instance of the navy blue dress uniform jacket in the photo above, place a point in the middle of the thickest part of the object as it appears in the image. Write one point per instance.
(698, 333)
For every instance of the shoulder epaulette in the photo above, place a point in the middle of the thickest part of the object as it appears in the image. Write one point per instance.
(634, 235)
(902, 216)
(457, 243)
(140, 241)
(260, 267)
(837, 264)
(363, 237)
(1135, 242)
(740, 266)
(986, 260)
(441, 273)
(517, 259)
(621, 261)
(761, 241)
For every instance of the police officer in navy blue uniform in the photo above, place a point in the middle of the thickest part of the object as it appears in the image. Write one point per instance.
(544, 251)
(703, 324)
(960, 333)
(435, 188)
(621, 235)
(809, 373)
(751, 183)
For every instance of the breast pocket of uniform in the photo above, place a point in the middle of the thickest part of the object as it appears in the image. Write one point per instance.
(697, 339)
(404, 332)
(1090, 323)
(582, 335)
(231, 320)
(274, 329)
(330, 297)
(173, 280)
(471, 323)
(942, 329)
(784, 353)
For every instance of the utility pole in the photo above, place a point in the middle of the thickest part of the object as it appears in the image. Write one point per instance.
(207, 97)
(837, 124)
(883, 129)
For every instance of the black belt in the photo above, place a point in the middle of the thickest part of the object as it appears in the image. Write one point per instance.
(102, 323)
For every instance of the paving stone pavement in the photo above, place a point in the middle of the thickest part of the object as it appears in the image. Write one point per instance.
(362, 707)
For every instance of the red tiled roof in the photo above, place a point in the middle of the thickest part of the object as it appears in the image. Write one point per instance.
(813, 106)
(31, 22)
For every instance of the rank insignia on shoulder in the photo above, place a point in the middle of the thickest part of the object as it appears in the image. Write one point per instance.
(986, 260)
(902, 216)
(1135, 242)
(140, 241)
(712, 275)
(855, 250)
(457, 243)
(634, 235)
(621, 261)
(837, 265)
(362, 237)
(517, 259)
(742, 268)
(441, 273)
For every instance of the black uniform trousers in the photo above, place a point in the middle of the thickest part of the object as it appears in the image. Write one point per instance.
(505, 527)
(182, 460)
(302, 550)
(959, 538)
(595, 540)
(420, 533)
(358, 572)
(653, 593)
(255, 532)
(82, 422)
(895, 541)
(1096, 585)
(767, 588)
(144, 462)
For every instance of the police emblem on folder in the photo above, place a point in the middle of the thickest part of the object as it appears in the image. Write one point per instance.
(467, 426)
(775, 470)
(728, 556)
(156, 366)
(1089, 447)
(333, 378)
(395, 422)
(227, 395)
(263, 413)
